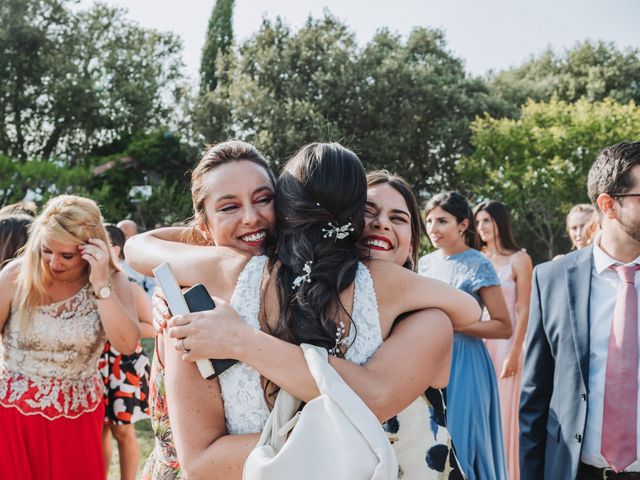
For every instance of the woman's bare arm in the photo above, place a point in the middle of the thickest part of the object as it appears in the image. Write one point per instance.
(204, 449)
(148, 250)
(417, 355)
(118, 316)
(522, 270)
(143, 310)
(499, 323)
(399, 290)
(8, 278)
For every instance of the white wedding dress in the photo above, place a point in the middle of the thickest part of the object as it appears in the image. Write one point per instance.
(245, 407)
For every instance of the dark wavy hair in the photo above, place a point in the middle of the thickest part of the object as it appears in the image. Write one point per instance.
(322, 183)
(457, 205)
(14, 233)
(116, 235)
(502, 220)
(398, 183)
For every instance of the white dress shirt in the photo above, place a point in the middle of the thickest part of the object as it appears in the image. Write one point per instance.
(602, 301)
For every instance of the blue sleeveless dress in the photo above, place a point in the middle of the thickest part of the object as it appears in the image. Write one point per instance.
(473, 405)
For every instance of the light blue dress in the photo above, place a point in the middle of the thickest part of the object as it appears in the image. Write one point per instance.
(473, 406)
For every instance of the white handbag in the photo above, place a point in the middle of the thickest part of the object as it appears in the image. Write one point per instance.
(335, 436)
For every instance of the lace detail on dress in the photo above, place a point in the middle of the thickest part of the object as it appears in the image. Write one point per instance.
(51, 367)
(245, 408)
(365, 315)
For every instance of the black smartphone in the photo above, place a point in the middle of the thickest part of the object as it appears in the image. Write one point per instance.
(199, 300)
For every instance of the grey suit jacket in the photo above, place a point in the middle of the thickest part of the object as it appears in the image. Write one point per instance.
(553, 404)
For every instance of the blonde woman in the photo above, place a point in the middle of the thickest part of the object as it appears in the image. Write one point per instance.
(579, 217)
(58, 303)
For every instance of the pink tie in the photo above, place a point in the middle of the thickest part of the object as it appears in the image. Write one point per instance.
(619, 420)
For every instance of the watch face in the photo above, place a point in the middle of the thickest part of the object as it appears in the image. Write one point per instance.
(104, 292)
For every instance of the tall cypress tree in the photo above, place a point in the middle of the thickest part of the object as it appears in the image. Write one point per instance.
(219, 40)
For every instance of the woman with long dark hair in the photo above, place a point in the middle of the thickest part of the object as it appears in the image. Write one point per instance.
(315, 291)
(473, 407)
(392, 232)
(14, 233)
(513, 267)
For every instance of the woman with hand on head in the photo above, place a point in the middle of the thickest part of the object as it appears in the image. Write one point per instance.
(514, 268)
(58, 302)
(392, 232)
(328, 299)
(473, 407)
(126, 378)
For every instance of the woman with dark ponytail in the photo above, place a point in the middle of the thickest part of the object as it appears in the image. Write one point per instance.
(313, 290)
(473, 407)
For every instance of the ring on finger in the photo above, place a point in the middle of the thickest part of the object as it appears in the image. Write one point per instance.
(98, 256)
(182, 347)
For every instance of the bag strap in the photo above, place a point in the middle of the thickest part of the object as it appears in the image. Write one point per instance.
(331, 384)
(284, 410)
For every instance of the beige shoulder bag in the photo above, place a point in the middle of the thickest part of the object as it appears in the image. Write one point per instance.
(335, 436)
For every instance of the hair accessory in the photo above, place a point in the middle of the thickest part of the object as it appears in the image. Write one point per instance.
(340, 340)
(303, 278)
(339, 232)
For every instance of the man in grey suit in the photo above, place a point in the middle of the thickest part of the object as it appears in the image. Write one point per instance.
(579, 403)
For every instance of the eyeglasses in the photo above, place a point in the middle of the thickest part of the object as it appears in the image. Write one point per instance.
(624, 195)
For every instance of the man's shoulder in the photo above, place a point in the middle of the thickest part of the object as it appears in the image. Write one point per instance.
(554, 268)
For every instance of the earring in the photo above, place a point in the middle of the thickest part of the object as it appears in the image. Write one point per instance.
(461, 233)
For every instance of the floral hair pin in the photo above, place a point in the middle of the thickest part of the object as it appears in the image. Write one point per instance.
(306, 277)
(339, 232)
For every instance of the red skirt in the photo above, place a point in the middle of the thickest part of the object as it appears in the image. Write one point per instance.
(35, 448)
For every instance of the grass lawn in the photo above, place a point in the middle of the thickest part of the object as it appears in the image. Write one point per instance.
(145, 441)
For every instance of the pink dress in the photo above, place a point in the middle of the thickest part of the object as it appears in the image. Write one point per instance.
(508, 388)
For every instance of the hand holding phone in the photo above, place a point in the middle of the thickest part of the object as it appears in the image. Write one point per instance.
(196, 299)
(199, 300)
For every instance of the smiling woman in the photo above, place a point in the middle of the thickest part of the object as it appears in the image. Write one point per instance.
(57, 303)
(232, 189)
(473, 413)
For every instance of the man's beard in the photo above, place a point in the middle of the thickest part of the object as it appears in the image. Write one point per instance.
(631, 226)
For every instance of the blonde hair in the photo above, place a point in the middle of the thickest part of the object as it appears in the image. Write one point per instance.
(580, 208)
(583, 209)
(68, 219)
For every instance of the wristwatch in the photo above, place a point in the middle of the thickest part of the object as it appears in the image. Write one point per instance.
(103, 292)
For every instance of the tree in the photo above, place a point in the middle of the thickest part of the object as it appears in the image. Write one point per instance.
(39, 179)
(538, 164)
(593, 70)
(158, 161)
(218, 42)
(71, 81)
(401, 103)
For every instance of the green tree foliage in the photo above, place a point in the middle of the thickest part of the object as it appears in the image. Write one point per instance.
(402, 103)
(538, 164)
(40, 179)
(593, 70)
(218, 42)
(159, 160)
(74, 80)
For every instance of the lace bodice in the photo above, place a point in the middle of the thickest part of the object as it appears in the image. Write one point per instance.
(52, 365)
(245, 408)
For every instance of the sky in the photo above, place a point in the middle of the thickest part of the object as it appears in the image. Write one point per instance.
(486, 34)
